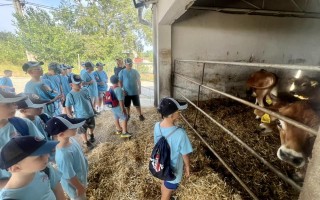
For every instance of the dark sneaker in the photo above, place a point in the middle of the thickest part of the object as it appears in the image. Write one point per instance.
(141, 117)
(92, 139)
(125, 135)
(88, 145)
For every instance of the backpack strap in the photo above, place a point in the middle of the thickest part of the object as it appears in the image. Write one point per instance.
(169, 133)
(20, 125)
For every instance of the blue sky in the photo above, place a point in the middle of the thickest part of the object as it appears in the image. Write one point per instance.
(6, 12)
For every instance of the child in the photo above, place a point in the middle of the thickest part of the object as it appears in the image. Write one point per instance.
(65, 86)
(69, 157)
(43, 88)
(102, 81)
(6, 83)
(31, 108)
(53, 75)
(9, 129)
(25, 157)
(119, 112)
(90, 82)
(79, 99)
(179, 143)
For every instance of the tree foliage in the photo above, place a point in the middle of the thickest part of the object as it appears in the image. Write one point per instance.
(97, 30)
(11, 51)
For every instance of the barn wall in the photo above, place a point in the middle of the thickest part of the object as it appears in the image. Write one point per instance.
(209, 35)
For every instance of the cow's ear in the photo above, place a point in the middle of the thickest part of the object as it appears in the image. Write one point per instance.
(314, 83)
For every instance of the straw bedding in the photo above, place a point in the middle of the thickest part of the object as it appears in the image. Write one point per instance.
(119, 167)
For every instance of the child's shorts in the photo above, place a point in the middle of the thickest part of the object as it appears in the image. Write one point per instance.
(171, 186)
(90, 123)
(117, 114)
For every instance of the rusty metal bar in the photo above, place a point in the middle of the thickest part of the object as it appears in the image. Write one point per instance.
(286, 119)
(221, 160)
(282, 66)
(195, 118)
(282, 176)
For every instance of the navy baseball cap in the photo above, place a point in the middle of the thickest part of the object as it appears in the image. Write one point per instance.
(75, 79)
(89, 64)
(6, 97)
(18, 148)
(169, 105)
(99, 64)
(128, 61)
(32, 101)
(62, 123)
(30, 64)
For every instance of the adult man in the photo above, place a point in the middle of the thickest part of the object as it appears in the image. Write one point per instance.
(131, 84)
(119, 66)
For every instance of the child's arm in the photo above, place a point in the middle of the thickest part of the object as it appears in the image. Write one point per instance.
(123, 110)
(74, 181)
(186, 161)
(58, 192)
(69, 112)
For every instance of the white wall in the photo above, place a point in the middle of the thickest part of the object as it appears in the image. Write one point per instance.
(211, 35)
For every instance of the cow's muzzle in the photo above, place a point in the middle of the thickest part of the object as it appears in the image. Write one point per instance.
(292, 157)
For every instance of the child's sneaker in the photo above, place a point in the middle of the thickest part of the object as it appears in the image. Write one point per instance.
(141, 117)
(92, 139)
(88, 145)
(125, 135)
(118, 132)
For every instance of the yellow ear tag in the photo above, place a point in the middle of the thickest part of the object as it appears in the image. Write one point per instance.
(266, 118)
(268, 100)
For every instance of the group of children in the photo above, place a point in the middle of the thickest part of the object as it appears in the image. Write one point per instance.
(32, 143)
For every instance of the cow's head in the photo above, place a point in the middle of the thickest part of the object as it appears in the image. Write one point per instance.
(304, 87)
(296, 144)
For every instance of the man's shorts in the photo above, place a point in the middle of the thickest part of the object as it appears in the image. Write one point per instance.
(171, 186)
(101, 94)
(118, 114)
(135, 100)
(90, 123)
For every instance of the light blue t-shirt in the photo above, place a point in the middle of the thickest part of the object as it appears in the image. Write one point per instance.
(37, 189)
(101, 77)
(55, 82)
(6, 81)
(80, 102)
(129, 80)
(65, 85)
(38, 89)
(71, 162)
(179, 145)
(92, 88)
(82, 72)
(8, 131)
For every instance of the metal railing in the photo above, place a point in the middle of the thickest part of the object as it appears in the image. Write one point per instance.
(255, 154)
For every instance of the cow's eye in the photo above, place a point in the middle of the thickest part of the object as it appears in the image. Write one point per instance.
(278, 124)
(304, 84)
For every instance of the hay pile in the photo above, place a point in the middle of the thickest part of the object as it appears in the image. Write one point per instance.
(119, 168)
(240, 120)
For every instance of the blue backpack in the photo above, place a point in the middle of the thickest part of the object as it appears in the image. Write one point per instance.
(20, 125)
(159, 164)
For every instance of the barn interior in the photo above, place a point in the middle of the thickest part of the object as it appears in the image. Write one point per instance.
(218, 44)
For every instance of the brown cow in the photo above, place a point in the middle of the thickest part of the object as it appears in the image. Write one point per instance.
(296, 144)
(263, 84)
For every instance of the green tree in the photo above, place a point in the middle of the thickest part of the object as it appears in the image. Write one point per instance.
(11, 51)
